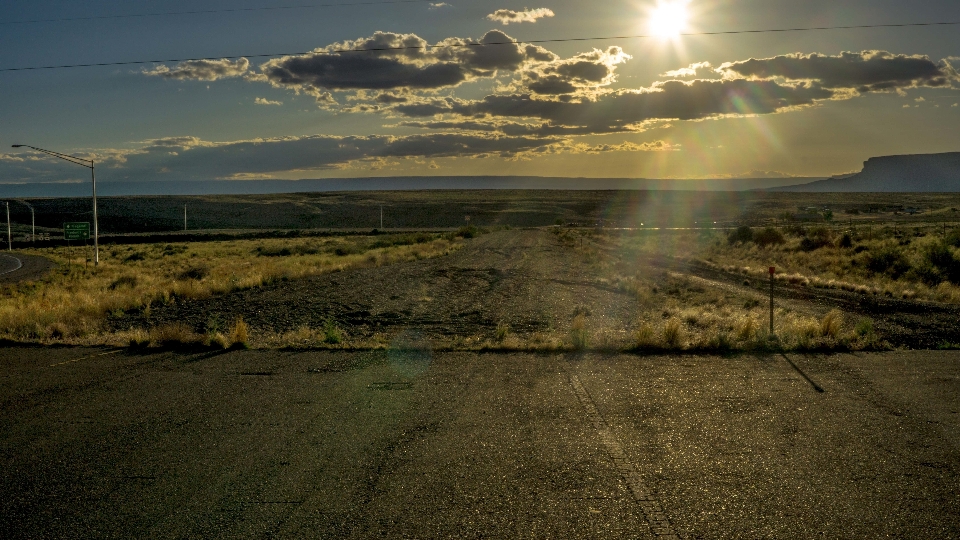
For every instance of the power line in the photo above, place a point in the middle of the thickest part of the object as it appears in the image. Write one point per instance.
(486, 44)
(210, 11)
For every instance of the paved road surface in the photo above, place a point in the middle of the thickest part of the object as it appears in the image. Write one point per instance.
(9, 263)
(388, 444)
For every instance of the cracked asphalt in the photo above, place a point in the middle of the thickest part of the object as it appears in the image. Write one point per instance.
(413, 444)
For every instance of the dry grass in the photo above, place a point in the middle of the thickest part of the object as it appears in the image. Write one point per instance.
(904, 262)
(73, 303)
(579, 337)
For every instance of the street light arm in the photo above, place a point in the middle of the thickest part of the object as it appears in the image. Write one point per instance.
(88, 163)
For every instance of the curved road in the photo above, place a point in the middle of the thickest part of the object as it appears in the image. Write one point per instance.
(9, 263)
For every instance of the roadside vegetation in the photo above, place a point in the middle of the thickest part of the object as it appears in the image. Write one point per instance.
(678, 312)
(74, 303)
(918, 262)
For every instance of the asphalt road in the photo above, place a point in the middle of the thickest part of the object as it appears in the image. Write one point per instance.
(9, 263)
(99, 443)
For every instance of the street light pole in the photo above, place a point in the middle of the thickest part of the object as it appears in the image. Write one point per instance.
(88, 163)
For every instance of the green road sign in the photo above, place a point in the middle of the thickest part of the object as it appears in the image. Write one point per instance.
(77, 230)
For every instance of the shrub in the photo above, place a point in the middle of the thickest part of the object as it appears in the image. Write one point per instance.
(124, 281)
(331, 332)
(768, 236)
(889, 260)
(846, 241)
(578, 332)
(502, 331)
(468, 232)
(174, 334)
(194, 272)
(864, 328)
(831, 323)
(953, 238)
(646, 338)
(240, 334)
(816, 238)
(795, 230)
(346, 250)
(135, 256)
(941, 258)
(741, 234)
(672, 334)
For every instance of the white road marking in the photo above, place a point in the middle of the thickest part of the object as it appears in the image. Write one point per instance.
(85, 357)
(19, 263)
(659, 523)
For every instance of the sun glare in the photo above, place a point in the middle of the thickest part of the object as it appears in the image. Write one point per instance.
(669, 18)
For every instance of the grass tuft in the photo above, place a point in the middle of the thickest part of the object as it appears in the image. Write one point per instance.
(239, 334)
(578, 332)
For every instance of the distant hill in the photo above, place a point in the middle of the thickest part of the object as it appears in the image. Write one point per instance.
(915, 173)
(397, 183)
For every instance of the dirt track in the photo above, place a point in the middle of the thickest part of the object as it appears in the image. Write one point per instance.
(523, 278)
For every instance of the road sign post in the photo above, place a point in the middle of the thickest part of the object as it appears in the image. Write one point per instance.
(76, 230)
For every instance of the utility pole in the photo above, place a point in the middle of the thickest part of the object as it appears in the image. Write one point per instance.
(96, 232)
(88, 163)
(381, 217)
(9, 234)
(184, 217)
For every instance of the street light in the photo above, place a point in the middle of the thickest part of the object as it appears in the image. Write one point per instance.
(88, 163)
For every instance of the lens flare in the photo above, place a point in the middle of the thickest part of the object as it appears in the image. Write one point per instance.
(669, 18)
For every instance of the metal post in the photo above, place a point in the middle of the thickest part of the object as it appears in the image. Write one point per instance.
(381, 217)
(184, 217)
(33, 227)
(9, 235)
(96, 232)
(772, 270)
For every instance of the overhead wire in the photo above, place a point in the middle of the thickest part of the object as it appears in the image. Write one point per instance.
(478, 44)
(212, 11)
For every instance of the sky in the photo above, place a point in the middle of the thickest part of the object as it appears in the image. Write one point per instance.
(434, 100)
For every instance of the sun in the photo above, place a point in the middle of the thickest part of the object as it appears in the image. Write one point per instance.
(668, 18)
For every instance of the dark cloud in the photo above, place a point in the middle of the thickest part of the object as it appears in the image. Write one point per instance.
(584, 71)
(507, 16)
(189, 158)
(615, 110)
(400, 61)
(867, 71)
(511, 128)
(202, 70)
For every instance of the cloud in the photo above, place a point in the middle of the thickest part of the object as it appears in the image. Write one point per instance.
(694, 100)
(584, 71)
(690, 71)
(190, 158)
(438, 5)
(399, 61)
(511, 128)
(202, 70)
(866, 71)
(265, 101)
(507, 16)
(954, 105)
(655, 146)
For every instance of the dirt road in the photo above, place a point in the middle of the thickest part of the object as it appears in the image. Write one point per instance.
(101, 443)
(522, 278)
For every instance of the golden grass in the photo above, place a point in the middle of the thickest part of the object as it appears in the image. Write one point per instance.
(73, 303)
